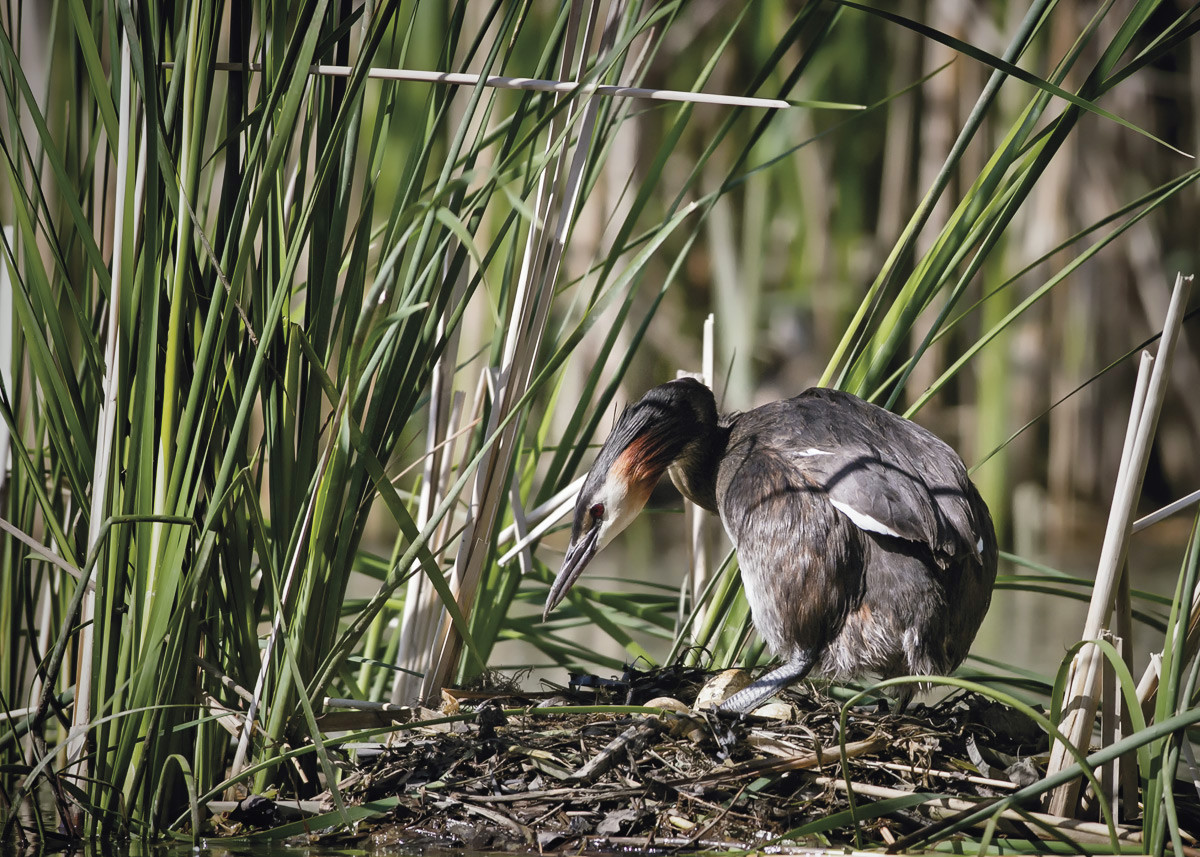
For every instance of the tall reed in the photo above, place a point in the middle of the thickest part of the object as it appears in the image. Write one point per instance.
(301, 366)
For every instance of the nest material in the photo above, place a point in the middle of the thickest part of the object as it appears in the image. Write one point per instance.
(517, 776)
(544, 781)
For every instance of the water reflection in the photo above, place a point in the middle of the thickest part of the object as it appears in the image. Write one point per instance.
(137, 848)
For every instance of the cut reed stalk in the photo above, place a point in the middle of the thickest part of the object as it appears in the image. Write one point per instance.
(1079, 701)
(697, 520)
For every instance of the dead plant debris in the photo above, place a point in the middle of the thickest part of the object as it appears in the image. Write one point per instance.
(519, 776)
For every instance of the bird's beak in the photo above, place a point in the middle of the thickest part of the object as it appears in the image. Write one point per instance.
(579, 554)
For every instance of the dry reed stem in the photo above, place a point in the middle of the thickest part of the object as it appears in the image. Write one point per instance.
(1148, 686)
(699, 531)
(1079, 702)
(946, 807)
(421, 618)
(1166, 511)
(531, 306)
(543, 518)
(560, 87)
(521, 523)
(35, 547)
(229, 719)
(422, 608)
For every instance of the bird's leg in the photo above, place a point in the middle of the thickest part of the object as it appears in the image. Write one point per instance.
(750, 698)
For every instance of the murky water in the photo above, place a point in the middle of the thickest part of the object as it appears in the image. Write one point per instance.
(218, 848)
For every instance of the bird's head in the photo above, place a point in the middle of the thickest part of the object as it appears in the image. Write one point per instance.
(648, 436)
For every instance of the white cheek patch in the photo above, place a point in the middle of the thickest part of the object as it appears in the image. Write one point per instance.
(864, 521)
(620, 508)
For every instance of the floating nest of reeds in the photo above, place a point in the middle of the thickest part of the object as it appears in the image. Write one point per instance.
(511, 772)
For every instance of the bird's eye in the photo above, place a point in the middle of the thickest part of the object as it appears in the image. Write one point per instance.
(597, 511)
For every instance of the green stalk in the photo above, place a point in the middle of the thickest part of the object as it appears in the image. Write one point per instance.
(168, 417)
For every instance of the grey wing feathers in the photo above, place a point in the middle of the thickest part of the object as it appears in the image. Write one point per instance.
(886, 473)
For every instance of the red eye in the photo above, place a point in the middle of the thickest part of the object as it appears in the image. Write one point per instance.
(597, 511)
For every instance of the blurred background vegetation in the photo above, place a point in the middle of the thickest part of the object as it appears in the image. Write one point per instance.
(292, 362)
(787, 258)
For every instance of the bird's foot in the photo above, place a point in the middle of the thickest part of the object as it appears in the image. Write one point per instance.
(728, 729)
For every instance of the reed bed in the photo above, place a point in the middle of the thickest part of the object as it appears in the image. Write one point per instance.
(312, 311)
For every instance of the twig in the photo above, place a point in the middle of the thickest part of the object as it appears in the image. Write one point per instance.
(721, 812)
(634, 738)
(367, 705)
(601, 791)
(799, 762)
(934, 772)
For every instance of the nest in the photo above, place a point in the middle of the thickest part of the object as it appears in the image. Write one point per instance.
(525, 774)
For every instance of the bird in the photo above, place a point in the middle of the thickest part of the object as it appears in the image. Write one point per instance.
(863, 545)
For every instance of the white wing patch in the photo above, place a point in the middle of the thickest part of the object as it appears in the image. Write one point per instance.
(811, 451)
(864, 521)
(979, 545)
